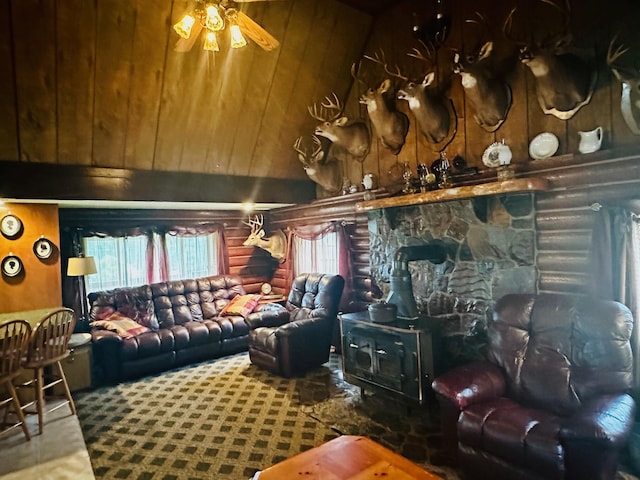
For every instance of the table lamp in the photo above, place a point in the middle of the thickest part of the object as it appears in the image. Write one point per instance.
(79, 267)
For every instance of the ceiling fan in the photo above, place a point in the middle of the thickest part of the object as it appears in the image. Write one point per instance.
(213, 16)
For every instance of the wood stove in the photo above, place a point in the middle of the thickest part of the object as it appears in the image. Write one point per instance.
(398, 357)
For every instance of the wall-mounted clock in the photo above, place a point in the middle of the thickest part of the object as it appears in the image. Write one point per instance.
(11, 226)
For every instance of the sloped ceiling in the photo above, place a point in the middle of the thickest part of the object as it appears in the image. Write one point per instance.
(98, 84)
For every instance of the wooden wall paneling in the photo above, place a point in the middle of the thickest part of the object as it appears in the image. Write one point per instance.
(562, 240)
(114, 47)
(151, 40)
(310, 83)
(76, 61)
(35, 58)
(179, 101)
(346, 46)
(9, 148)
(289, 63)
(593, 39)
(212, 116)
(514, 130)
(451, 82)
(236, 78)
(257, 91)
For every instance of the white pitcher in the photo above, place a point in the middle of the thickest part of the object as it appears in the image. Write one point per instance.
(590, 141)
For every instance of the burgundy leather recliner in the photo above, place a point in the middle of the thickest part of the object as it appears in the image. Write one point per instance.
(295, 338)
(551, 401)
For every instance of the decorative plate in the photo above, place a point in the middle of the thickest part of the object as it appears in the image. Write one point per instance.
(11, 265)
(543, 146)
(10, 225)
(43, 248)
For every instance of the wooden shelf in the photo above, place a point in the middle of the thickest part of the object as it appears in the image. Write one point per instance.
(457, 193)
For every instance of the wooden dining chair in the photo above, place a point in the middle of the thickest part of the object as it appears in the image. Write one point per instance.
(47, 347)
(14, 341)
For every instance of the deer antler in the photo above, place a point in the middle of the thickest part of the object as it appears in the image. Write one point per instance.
(256, 223)
(317, 145)
(322, 113)
(380, 59)
(613, 56)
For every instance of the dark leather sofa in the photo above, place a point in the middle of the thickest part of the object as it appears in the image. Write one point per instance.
(190, 327)
(551, 401)
(293, 339)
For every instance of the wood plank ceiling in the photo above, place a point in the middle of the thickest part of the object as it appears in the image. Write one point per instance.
(97, 83)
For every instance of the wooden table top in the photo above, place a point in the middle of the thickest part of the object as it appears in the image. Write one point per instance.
(347, 458)
(31, 316)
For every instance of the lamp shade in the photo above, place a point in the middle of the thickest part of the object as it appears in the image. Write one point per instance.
(79, 266)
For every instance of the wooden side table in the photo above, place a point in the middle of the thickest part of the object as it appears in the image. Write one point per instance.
(347, 458)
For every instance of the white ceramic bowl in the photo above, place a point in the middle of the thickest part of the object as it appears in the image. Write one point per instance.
(543, 145)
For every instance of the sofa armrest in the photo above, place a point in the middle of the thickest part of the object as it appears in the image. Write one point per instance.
(268, 315)
(106, 355)
(605, 420)
(472, 383)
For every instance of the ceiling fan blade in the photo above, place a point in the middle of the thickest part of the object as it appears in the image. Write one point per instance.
(186, 44)
(256, 33)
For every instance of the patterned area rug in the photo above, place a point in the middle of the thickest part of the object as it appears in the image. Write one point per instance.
(226, 418)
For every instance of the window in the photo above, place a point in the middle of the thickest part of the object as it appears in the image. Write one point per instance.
(120, 261)
(320, 255)
(123, 261)
(191, 256)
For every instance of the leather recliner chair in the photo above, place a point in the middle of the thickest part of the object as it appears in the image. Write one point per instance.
(291, 339)
(551, 401)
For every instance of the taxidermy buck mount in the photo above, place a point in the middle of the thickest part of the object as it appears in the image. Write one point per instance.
(320, 167)
(630, 79)
(276, 244)
(352, 136)
(433, 111)
(390, 124)
(564, 81)
(490, 96)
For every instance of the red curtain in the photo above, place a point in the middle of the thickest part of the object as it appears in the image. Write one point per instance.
(314, 232)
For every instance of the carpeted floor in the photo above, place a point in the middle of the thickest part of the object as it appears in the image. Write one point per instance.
(228, 419)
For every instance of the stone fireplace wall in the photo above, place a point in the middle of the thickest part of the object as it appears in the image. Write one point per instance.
(491, 251)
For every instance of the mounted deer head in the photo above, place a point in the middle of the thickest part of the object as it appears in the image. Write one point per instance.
(433, 111)
(353, 137)
(490, 97)
(327, 173)
(390, 124)
(630, 78)
(276, 244)
(564, 81)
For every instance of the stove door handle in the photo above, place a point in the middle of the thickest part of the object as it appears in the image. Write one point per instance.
(353, 345)
(380, 351)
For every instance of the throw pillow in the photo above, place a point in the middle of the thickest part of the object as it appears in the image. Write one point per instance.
(241, 305)
(123, 326)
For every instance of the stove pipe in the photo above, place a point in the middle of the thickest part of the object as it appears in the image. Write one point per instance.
(401, 293)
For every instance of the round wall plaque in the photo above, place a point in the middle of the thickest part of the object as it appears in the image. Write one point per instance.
(10, 226)
(43, 248)
(11, 265)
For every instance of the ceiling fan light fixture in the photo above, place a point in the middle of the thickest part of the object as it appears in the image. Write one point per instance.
(237, 39)
(213, 19)
(184, 26)
(211, 42)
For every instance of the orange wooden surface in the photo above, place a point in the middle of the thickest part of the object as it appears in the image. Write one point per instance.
(347, 458)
